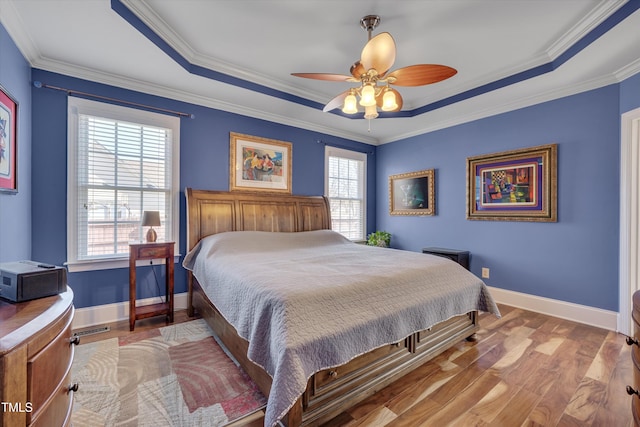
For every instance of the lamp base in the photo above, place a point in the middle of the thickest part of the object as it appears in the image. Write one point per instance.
(151, 235)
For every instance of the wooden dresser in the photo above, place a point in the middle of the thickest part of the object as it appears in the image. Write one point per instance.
(635, 359)
(36, 352)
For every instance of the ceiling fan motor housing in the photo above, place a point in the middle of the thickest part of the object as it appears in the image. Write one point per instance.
(369, 23)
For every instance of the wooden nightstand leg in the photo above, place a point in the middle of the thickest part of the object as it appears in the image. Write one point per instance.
(170, 274)
(132, 293)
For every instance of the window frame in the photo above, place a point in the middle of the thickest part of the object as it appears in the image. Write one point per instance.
(351, 155)
(77, 106)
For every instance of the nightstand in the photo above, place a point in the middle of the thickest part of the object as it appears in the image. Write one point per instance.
(461, 257)
(150, 251)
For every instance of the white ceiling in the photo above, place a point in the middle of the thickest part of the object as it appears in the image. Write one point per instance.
(262, 42)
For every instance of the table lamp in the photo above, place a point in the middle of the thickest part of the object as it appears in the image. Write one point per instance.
(151, 219)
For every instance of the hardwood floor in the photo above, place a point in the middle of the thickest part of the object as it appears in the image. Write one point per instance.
(524, 369)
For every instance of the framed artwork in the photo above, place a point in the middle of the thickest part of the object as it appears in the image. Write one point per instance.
(518, 185)
(8, 144)
(259, 164)
(412, 193)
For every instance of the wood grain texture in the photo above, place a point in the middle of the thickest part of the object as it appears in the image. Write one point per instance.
(525, 369)
(547, 384)
(36, 353)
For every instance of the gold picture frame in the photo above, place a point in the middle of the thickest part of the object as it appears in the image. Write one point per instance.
(412, 193)
(516, 185)
(259, 164)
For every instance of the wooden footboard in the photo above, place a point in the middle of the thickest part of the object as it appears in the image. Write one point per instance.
(332, 391)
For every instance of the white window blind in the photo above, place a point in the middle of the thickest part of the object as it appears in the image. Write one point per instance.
(122, 163)
(345, 173)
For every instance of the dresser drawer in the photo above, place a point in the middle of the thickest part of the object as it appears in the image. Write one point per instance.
(348, 379)
(153, 252)
(46, 370)
(425, 340)
(334, 377)
(57, 412)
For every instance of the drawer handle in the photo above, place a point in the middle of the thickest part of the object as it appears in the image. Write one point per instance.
(632, 341)
(75, 340)
(333, 374)
(73, 387)
(631, 391)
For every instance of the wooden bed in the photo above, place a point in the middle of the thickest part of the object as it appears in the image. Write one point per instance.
(331, 391)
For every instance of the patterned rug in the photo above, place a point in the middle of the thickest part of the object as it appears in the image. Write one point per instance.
(172, 376)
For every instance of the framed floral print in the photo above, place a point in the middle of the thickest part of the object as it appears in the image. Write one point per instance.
(259, 164)
(8, 142)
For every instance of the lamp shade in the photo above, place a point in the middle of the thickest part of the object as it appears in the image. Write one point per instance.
(350, 106)
(151, 219)
(370, 112)
(368, 96)
(389, 101)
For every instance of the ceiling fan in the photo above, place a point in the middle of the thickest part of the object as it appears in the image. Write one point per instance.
(372, 72)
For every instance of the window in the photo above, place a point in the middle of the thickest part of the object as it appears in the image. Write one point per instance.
(345, 175)
(121, 162)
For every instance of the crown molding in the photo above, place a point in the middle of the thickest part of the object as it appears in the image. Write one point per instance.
(192, 98)
(591, 21)
(628, 70)
(150, 18)
(12, 22)
(508, 106)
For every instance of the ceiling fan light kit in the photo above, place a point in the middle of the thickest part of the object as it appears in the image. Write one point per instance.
(350, 103)
(371, 71)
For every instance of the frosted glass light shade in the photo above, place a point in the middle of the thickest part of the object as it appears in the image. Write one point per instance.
(389, 101)
(350, 106)
(368, 96)
(370, 112)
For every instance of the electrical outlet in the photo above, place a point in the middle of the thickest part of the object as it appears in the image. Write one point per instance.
(485, 273)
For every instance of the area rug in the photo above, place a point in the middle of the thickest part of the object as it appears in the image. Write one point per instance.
(172, 376)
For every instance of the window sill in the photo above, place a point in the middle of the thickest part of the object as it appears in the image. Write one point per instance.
(108, 264)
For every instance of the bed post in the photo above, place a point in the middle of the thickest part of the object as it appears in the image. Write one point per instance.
(294, 416)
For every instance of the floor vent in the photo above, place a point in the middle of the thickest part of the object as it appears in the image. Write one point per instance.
(93, 331)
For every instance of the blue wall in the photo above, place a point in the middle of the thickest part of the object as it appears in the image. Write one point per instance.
(630, 94)
(204, 164)
(572, 260)
(15, 209)
(575, 259)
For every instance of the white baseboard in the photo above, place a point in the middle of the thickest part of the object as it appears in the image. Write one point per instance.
(565, 310)
(110, 313)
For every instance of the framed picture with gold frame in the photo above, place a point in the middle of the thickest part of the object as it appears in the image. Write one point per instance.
(259, 164)
(517, 185)
(412, 193)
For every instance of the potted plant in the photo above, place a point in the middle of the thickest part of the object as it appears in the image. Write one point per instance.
(379, 238)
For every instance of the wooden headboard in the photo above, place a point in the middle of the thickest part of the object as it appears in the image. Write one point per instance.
(211, 212)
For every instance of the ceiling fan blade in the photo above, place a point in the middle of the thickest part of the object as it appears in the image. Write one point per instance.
(422, 74)
(379, 100)
(336, 102)
(379, 53)
(324, 76)
(357, 70)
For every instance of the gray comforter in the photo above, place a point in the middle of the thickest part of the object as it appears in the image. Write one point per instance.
(314, 300)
